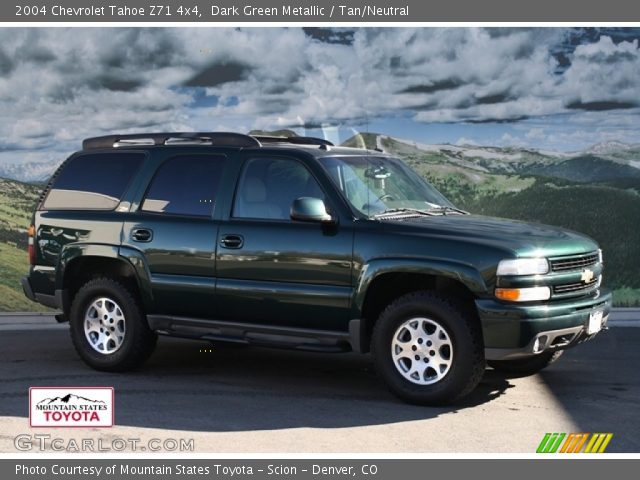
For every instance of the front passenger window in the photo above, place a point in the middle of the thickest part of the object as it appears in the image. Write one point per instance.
(269, 186)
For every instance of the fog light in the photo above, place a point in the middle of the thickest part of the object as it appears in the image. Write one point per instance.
(529, 294)
(540, 344)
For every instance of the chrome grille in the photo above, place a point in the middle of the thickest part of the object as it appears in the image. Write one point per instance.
(576, 262)
(575, 287)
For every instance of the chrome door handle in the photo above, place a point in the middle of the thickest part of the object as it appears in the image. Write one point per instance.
(142, 235)
(231, 241)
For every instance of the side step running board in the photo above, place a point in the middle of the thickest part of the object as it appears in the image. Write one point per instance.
(248, 333)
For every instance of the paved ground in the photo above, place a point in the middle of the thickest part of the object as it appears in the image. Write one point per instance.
(257, 400)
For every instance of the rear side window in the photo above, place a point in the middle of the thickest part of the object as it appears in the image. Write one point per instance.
(185, 185)
(93, 182)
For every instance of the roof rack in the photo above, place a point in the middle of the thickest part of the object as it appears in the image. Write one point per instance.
(295, 140)
(227, 139)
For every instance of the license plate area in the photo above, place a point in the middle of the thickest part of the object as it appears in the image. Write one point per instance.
(595, 322)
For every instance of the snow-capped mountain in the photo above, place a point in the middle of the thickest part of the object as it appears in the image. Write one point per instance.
(32, 172)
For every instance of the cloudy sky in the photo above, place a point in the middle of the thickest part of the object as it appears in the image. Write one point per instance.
(549, 88)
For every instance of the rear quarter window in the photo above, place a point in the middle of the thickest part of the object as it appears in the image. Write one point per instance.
(94, 181)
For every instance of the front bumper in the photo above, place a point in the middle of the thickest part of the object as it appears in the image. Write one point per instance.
(511, 330)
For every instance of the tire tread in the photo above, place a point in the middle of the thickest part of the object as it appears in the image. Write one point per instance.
(144, 339)
(471, 324)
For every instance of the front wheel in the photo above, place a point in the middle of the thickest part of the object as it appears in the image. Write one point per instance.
(108, 328)
(524, 367)
(427, 350)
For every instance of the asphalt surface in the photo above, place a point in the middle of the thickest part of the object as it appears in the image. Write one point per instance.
(253, 400)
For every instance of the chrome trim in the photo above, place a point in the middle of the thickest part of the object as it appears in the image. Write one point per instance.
(570, 263)
(188, 141)
(550, 339)
(134, 142)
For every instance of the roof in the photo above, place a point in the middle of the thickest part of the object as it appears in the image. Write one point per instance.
(313, 145)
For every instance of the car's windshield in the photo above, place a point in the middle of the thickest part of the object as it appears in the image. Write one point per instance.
(374, 185)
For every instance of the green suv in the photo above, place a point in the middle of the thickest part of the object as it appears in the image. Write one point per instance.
(293, 242)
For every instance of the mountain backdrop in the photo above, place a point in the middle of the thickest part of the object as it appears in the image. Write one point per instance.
(596, 192)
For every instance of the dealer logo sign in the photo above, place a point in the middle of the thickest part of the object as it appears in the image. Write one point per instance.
(71, 406)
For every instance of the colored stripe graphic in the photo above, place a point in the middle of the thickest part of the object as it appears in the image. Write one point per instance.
(569, 443)
(605, 444)
(580, 444)
(594, 437)
(598, 443)
(574, 443)
(543, 443)
(555, 446)
(550, 443)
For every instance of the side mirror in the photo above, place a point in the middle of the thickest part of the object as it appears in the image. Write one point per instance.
(310, 209)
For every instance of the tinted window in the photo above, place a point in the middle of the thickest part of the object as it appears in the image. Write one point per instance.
(93, 181)
(269, 186)
(185, 186)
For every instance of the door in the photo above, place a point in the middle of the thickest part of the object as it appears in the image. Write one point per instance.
(275, 270)
(175, 231)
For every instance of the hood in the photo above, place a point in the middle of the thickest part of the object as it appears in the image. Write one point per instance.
(521, 238)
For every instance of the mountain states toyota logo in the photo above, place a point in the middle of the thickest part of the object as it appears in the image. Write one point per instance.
(71, 406)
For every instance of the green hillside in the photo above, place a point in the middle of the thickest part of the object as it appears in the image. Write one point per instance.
(13, 266)
(17, 201)
(587, 168)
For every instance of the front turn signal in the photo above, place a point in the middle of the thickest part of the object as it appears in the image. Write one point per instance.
(529, 294)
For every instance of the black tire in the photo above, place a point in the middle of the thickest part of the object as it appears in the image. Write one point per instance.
(524, 367)
(137, 341)
(461, 331)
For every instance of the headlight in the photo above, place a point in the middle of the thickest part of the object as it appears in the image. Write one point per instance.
(529, 294)
(599, 255)
(523, 266)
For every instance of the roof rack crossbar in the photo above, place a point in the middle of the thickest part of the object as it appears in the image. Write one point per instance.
(227, 139)
(295, 140)
(188, 141)
(133, 142)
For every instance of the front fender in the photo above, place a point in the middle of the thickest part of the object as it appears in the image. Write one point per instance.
(463, 273)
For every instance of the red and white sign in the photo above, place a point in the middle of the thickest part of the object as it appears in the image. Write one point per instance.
(71, 406)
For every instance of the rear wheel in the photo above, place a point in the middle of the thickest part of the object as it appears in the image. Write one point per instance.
(524, 367)
(108, 328)
(427, 350)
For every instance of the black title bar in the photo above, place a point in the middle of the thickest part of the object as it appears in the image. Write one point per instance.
(268, 469)
(350, 11)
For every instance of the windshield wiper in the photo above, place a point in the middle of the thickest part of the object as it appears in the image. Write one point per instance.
(445, 209)
(395, 212)
(404, 212)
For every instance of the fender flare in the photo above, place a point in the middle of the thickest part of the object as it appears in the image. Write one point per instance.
(466, 274)
(131, 257)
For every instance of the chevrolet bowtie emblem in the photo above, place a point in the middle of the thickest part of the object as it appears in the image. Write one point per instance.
(587, 276)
